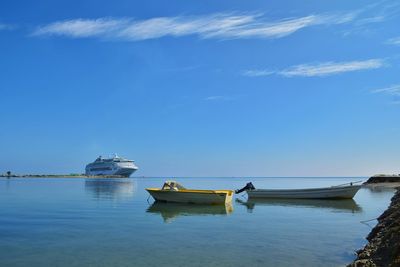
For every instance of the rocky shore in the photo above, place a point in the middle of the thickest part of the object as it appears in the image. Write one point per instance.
(383, 178)
(383, 248)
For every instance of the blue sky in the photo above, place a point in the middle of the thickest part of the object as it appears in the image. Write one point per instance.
(201, 88)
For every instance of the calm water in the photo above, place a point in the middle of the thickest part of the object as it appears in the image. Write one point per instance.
(100, 222)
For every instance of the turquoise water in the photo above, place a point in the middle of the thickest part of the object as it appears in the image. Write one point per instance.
(103, 222)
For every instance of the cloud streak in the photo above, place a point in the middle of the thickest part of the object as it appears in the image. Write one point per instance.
(393, 41)
(393, 90)
(221, 26)
(6, 26)
(80, 28)
(331, 68)
(257, 73)
(320, 69)
(218, 98)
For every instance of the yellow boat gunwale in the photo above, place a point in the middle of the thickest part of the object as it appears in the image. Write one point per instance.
(200, 191)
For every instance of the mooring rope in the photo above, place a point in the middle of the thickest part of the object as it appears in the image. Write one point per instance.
(369, 220)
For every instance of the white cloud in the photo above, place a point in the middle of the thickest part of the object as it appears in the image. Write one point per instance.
(257, 73)
(375, 19)
(391, 90)
(81, 27)
(330, 68)
(223, 25)
(321, 69)
(393, 41)
(370, 15)
(207, 26)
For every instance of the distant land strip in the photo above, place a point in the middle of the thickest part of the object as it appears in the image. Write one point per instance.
(59, 176)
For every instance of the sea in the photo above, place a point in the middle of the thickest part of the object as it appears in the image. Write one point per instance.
(78, 222)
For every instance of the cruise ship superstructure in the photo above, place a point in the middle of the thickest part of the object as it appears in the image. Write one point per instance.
(111, 166)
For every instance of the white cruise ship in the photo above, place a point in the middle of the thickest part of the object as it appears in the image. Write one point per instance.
(111, 166)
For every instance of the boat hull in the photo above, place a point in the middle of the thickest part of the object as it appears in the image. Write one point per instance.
(342, 192)
(212, 197)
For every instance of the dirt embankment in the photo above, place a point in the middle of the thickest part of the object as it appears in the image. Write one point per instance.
(383, 248)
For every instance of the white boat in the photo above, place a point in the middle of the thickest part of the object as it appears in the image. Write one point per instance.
(174, 192)
(111, 166)
(334, 192)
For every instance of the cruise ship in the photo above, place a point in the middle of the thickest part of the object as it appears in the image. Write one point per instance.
(111, 166)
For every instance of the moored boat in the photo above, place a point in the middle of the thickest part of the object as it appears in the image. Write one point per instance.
(174, 192)
(346, 191)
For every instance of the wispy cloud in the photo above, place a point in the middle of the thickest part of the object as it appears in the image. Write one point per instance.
(218, 98)
(330, 68)
(393, 41)
(370, 15)
(79, 28)
(369, 20)
(6, 26)
(320, 69)
(391, 90)
(257, 73)
(222, 26)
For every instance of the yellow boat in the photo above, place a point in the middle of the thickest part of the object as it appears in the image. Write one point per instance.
(174, 192)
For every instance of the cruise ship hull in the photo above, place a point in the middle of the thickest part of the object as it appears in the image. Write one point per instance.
(125, 172)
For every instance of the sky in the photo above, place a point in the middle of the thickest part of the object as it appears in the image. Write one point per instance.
(201, 88)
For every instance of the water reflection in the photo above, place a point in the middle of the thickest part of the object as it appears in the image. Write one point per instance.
(345, 205)
(382, 188)
(110, 188)
(170, 211)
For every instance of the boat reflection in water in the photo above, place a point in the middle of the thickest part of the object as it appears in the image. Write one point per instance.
(342, 205)
(170, 211)
(377, 188)
(110, 188)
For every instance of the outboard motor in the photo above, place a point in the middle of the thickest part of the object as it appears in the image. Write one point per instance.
(249, 186)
